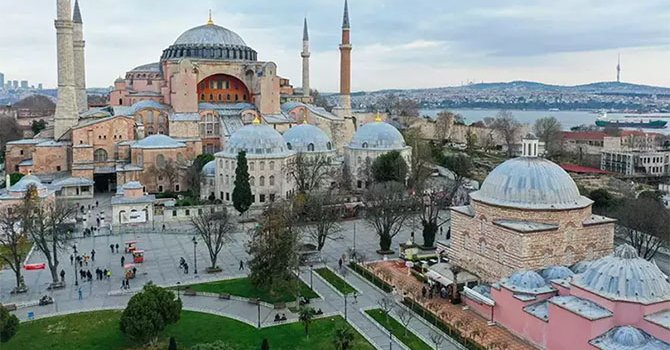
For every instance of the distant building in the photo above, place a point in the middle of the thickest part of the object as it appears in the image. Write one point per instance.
(39, 86)
(15, 84)
(24, 84)
(583, 142)
(635, 153)
(2, 80)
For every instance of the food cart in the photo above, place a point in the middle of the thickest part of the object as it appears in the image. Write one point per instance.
(130, 246)
(138, 256)
(129, 271)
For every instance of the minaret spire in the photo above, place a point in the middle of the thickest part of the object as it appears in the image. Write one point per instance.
(306, 91)
(345, 62)
(79, 59)
(66, 115)
(618, 68)
(345, 18)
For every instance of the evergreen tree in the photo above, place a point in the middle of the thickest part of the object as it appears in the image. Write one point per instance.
(389, 167)
(148, 313)
(265, 345)
(242, 197)
(8, 324)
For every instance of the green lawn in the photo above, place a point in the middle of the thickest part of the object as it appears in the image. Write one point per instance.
(411, 340)
(335, 280)
(100, 331)
(242, 287)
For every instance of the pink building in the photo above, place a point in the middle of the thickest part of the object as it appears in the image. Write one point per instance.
(620, 301)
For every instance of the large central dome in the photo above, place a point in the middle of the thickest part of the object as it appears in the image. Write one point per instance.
(530, 183)
(210, 34)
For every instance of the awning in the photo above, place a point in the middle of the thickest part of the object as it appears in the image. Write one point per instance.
(438, 278)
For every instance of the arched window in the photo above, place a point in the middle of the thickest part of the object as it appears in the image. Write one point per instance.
(482, 246)
(262, 165)
(365, 145)
(272, 180)
(251, 166)
(329, 146)
(272, 165)
(310, 147)
(100, 155)
(252, 180)
(261, 181)
(160, 161)
(288, 145)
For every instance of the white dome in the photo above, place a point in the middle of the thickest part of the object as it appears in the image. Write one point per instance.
(526, 281)
(625, 276)
(378, 135)
(158, 141)
(257, 140)
(530, 183)
(209, 169)
(25, 182)
(300, 137)
(210, 34)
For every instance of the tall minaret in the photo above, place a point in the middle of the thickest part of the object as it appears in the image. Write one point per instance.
(79, 62)
(618, 68)
(66, 108)
(306, 91)
(345, 62)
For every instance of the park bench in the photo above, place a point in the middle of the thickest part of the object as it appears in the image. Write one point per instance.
(10, 307)
(224, 296)
(189, 292)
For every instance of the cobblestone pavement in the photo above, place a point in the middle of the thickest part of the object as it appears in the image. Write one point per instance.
(163, 250)
(449, 313)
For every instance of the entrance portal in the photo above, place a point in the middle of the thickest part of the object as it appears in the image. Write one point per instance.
(105, 182)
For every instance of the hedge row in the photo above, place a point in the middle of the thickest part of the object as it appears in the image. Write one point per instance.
(363, 272)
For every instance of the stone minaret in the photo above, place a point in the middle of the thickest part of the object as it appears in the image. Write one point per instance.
(305, 61)
(345, 62)
(66, 108)
(79, 62)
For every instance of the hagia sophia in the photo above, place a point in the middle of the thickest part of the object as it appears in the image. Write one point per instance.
(208, 93)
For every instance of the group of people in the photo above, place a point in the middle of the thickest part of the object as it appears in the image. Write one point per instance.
(81, 259)
(430, 289)
(114, 248)
(125, 283)
(183, 265)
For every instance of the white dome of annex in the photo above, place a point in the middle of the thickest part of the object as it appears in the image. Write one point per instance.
(530, 183)
(258, 141)
(307, 138)
(378, 135)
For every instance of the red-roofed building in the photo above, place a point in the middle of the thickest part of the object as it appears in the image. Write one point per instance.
(585, 142)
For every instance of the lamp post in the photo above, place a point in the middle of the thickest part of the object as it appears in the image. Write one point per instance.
(178, 287)
(390, 340)
(345, 306)
(195, 257)
(354, 237)
(258, 304)
(311, 273)
(76, 277)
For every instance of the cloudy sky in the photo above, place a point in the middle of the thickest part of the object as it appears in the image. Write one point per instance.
(397, 43)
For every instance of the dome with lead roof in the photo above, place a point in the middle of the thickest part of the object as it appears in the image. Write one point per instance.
(526, 281)
(307, 138)
(530, 183)
(210, 41)
(258, 141)
(209, 169)
(378, 135)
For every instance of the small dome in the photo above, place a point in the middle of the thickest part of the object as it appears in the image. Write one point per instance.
(25, 182)
(138, 106)
(530, 183)
(150, 67)
(525, 282)
(483, 289)
(556, 272)
(625, 276)
(629, 336)
(307, 138)
(209, 169)
(119, 80)
(210, 34)
(580, 266)
(158, 141)
(257, 140)
(378, 135)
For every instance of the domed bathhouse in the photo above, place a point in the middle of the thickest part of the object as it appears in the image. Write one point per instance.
(267, 160)
(369, 142)
(315, 151)
(620, 301)
(527, 215)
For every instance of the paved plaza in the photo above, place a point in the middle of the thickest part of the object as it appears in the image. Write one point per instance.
(163, 250)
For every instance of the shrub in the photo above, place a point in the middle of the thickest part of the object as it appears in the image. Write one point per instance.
(9, 324)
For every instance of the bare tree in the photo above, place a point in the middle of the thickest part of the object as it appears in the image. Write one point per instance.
(170, 171)
(44, 221)
(548, 130)
(10, 131)
(405, 317)
(644, 221)
(387, 208)
(461, 167)
(508, 128)
(386, 304)
(437, 339)
(443, 124)
(431, 204)
(419, 170)
(215, 229)
(310, 172)
(321, 219)
(12, 238)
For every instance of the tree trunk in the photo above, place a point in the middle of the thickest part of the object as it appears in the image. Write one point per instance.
(385, 241)
(429, 232)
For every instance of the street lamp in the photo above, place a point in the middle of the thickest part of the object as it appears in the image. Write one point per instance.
(258, 304)
(390, 340)
(195, 257)
(178, 286)
(76, 277)
(311, 273)
(345, 306)
(354, 237)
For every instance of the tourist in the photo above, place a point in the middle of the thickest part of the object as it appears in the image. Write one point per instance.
(89, 275)
(109, 274)
(111, 246)
(277, 318)
(423, 291)
(123, 260)
(241, 265)
(93, 254)
(186, 268)
(339, 263)
(71, 259)
(117, 247)
(283, 317)
(79, 292)
(62, 276)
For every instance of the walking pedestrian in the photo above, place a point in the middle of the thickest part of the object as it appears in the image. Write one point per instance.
(117, 247)
(86, 260)
(104, 273)
(441, 233)
(123, 260)
(89, 275)
(127, 283)
(241, 265)
(111, 246)
(134, 271)
(109, 274)
(81, 262)
(163, 227)
(123, 283)
(355, 298)
(423, 291)
(93, 254)
(339, 263)
(186, 268)
(74, 248)
(79, 292)
(62, 275)
(71, 259)
(96, 204)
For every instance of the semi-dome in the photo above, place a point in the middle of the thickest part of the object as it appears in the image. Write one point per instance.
(378, 135)
(210, 41)
(158, 141)
(526, 282)
(625, 276)
(25, 182)
(530, 183)
(258, 141)
(209, 169)
(556, 272)
(307, 138)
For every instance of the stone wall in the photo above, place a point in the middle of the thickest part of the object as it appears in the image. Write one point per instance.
(49, 160)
